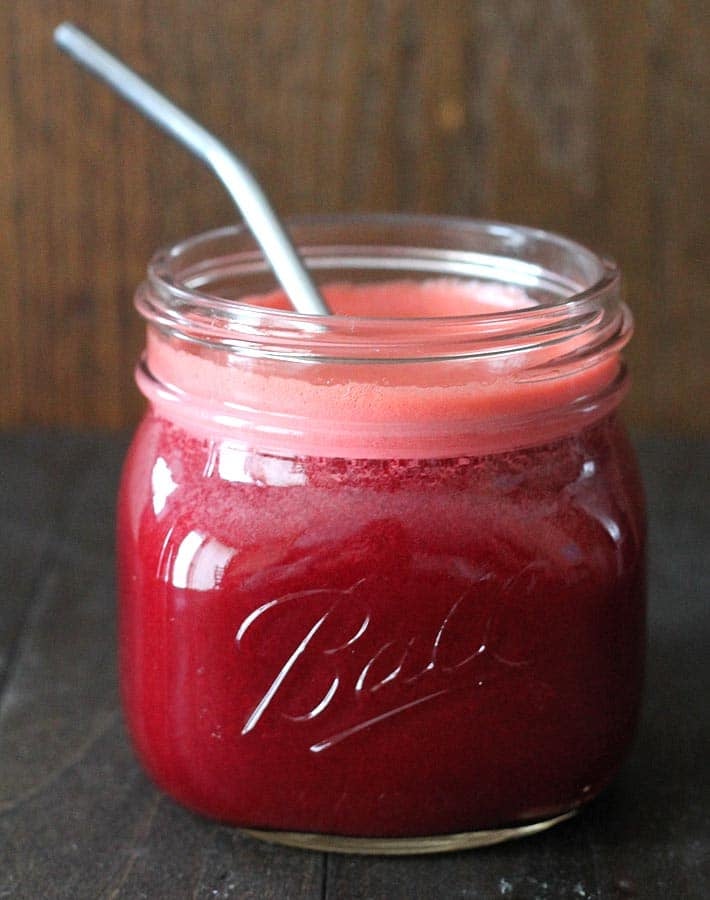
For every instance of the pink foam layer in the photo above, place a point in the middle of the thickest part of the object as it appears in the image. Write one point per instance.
(423, 409)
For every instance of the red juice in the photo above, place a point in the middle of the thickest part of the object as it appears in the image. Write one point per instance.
(381, 573)
(381, 647)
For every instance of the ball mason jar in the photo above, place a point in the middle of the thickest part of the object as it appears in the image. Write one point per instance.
(381, 574)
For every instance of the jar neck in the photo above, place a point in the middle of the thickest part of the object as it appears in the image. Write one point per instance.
(378, 386)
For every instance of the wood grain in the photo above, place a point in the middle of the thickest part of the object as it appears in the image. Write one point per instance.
(587, 118)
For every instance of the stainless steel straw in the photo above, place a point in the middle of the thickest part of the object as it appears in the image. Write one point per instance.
(231, 171)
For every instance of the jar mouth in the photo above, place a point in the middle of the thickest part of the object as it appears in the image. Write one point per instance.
(196, 289)
(372, 386)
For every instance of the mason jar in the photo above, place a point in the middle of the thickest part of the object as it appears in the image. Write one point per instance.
(382, 572)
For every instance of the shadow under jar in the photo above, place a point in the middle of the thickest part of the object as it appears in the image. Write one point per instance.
(381, 573)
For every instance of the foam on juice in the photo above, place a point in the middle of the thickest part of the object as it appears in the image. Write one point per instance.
(349, 408)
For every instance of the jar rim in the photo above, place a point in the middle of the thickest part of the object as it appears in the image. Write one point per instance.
(174, 299)
(283, 378)
(162, 265)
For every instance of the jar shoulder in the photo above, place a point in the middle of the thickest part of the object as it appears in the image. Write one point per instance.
(579, 491)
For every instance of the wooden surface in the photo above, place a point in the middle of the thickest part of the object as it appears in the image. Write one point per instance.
(590, 118)
(78, 819)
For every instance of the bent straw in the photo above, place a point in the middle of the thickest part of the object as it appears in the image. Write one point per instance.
(231, 171)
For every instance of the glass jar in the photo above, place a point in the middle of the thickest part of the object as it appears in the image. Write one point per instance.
(381, 574)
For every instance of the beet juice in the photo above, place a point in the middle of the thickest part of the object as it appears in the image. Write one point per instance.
(381, 574)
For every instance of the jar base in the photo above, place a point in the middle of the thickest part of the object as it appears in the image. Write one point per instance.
(438, 843)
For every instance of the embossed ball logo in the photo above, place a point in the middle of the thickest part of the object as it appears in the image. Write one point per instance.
(330, 661)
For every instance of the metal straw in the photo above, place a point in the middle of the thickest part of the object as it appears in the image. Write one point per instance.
(231, 171)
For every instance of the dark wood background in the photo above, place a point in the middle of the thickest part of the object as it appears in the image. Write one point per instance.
(583, 116)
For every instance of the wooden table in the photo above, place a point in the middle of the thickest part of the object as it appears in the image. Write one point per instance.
(78, 819)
